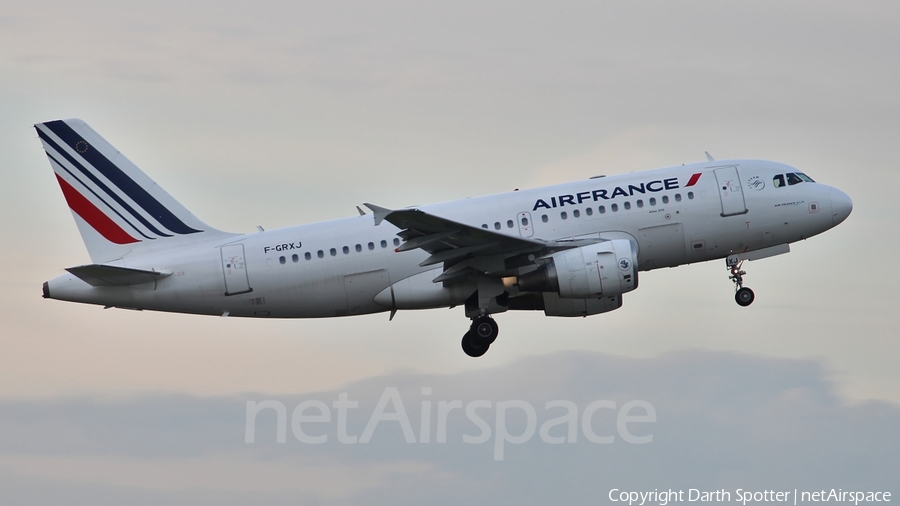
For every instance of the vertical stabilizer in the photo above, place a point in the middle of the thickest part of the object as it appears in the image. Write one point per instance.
(119, 210)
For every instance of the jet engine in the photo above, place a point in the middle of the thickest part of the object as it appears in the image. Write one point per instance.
(604, 269)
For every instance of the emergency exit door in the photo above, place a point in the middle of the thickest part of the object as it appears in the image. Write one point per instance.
(526, 229)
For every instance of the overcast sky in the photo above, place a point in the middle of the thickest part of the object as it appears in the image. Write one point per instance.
(279, 113)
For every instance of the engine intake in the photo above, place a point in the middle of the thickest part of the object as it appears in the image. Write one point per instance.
(604, 269)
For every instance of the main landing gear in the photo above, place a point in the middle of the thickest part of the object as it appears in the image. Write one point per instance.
(480, 336)
(742, 295)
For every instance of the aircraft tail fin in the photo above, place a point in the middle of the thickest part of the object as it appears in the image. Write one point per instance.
(119, 209)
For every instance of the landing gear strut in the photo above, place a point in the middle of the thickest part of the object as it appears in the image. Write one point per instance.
(480, 336)
(742, 295)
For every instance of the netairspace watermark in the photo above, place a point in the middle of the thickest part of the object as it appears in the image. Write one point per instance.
(744, 496)
(565, 415)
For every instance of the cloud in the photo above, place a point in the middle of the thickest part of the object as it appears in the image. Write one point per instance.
(722, 420)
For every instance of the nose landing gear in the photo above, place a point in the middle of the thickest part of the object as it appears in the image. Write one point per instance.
(742, 295)
(480, 336)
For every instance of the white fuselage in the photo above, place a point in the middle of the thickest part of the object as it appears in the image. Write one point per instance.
(340, 267)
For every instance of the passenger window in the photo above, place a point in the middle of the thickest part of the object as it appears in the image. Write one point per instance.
(652, 201)
(614, 207)
(665, 199)
(358, 248)
(321, 254)
(396, 242)
(524, 221)
(640, 203)
(496, 225)
(484, 225)
(589, 211)
(677, 197)
(627, 205)
(778, 181)
(295, 257)
(281, 260)
(690, 195)
(383, 243)
(576, 213)
(602, 209)
(307, 255)
(793, 179)
(371, 246)
(509, 224)
(563, 215)
(333, 252)
(544, 218)
(346, 250)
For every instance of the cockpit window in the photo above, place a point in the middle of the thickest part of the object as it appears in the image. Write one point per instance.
(792, 179)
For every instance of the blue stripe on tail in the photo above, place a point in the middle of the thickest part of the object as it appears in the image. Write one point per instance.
(121, 180)
(95, 194)
(100, 184)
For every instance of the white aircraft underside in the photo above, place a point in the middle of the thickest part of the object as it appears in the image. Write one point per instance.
(571, 249)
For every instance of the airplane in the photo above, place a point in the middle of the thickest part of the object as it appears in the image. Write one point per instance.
(569, 250)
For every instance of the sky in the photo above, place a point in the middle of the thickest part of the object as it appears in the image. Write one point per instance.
(280, 113)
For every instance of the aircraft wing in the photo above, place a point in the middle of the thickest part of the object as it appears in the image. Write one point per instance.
(463, 248)
(448, 241)
(460, 247)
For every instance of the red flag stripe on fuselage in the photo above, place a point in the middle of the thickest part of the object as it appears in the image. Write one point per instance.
(94, 216)
(693, 180)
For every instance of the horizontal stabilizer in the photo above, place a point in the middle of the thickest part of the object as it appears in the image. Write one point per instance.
(110, 275)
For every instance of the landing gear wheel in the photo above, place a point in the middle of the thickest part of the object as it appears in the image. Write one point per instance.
(485, 330)
(480, 336)
(472, 347)
(744, 296)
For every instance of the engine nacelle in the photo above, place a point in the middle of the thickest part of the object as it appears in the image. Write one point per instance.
(554, 305)
(604, 269)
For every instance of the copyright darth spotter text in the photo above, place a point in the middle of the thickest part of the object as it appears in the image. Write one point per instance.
(744, 496)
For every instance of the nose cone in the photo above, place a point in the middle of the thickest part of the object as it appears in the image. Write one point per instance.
(841, 205)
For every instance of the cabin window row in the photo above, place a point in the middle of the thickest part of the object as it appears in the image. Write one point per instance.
(333, 251)
(589, 211)
(509, 224)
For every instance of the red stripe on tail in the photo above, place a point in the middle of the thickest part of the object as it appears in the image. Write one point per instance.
(95, 217)
(693, 180)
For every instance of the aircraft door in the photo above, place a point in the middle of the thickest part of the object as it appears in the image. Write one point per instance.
(235, 268)
(730, 191)
(526, 229)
